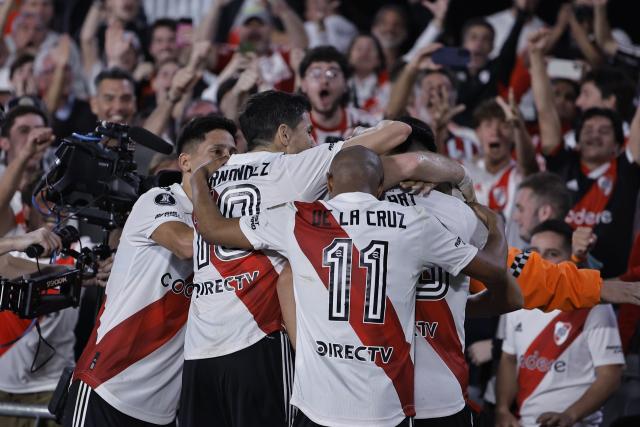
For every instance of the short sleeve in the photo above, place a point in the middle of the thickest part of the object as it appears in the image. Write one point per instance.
(443, 248)
(154, 208)
(307, 171)
(603, 337)
(508, 343)
(268, 229)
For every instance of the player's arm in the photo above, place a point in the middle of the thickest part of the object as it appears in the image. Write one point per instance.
(506, 390)
(606, 383)
(489, 266)
(287, 301)
(482, 304)
(175, 236)
(214, 228)
(421, 166)
(384, 137)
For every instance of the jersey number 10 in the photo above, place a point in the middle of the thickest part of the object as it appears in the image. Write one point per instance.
(338, 258)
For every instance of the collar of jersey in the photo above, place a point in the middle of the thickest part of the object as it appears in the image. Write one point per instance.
(354, 196)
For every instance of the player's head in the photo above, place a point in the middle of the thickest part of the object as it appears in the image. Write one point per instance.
(278, 121)
(324, 72)
(420, 139)
(493, 132)
(355, 169)
(540, 197)
(552, 240)
(599, 134)
(203, 139)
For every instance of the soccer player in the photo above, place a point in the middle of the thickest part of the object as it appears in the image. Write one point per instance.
(355, 262)
(235, 319)
(129, 373)
(560, 367)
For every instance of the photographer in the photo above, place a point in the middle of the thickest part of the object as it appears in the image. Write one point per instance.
(130, 372)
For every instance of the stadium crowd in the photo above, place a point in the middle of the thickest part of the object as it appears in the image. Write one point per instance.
(490, 171)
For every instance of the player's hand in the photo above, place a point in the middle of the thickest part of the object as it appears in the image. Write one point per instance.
(210, 167)
(506, 419)
(466, 188)
(480, 352)
(42, 236)
(582, 241)
(555, 419)
(418, 187)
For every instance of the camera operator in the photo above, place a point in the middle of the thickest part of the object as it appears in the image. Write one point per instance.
(24, 138)
(130, 372)
(33, 352)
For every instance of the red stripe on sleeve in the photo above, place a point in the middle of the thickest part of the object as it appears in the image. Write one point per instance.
(312, 240)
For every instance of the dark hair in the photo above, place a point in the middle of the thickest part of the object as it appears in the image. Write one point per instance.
(487, 110)
(196, 129)
(169, 23)
(324, 54)
(19, 62)
(382, 66)
(614, 118)
(266, 111)
(556, 226)
(613, 82)
(421, 136)
(477, 22)
(550, 189)
(114, 73)
(19, 111)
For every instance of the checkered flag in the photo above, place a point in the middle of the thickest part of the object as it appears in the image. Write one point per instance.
(519, 262)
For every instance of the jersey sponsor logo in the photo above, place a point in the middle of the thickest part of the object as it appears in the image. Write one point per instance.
(585, 217)
(362, 353)
(519, 327)
(164, 199)
(228, 284)
(561, 332)
(614, 348)
(254, 222)
(241, 173)
(404, 199)
(171, 214)
(426, 329)
(178, 286)
(535, 362)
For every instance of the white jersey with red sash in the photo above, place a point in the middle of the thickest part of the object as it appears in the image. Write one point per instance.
(234, 304)
(371, 94)
(134, 356)
(441, 300)
(350, 118)
(463, 143)
(355, 263)
(557, 353)
(495, 190)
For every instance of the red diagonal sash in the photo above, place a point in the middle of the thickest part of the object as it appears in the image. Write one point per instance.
(552, 341)
(312, 239)
(596, 199)
(499, 192)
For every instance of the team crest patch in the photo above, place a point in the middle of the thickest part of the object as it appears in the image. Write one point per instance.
(605, 184)
(165, 199)
(561, 332)
(500, 196)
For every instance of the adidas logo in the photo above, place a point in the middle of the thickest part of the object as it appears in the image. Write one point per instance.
(519, 327)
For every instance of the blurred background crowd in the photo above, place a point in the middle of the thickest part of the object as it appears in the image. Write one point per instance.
(540, 107)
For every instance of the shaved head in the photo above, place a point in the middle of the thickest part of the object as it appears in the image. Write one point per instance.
(355, 169)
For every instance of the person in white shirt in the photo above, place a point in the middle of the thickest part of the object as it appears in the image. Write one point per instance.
(559, 367)
(130, 371)
(355, 297)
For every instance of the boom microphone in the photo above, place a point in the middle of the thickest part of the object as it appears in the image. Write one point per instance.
(150, 140)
